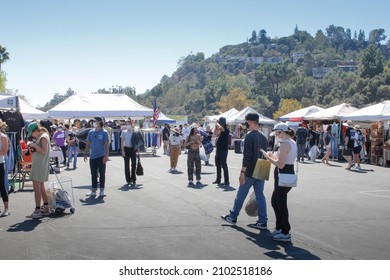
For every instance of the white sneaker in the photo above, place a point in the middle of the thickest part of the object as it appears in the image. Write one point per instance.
(282, 237)
(102, 193)
(36, 214)
(170, 170)
(276, 231)
(91, 193)
(5, 213)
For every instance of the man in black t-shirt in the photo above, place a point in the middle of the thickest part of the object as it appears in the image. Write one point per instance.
(166, 133)
(349, 143)
(222, 147)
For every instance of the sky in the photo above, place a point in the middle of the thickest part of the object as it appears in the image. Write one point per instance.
(88, 45)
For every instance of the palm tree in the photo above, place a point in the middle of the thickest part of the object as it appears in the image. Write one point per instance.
(4, 55)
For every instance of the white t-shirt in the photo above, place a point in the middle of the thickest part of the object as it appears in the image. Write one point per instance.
(185, 131)
(175, 140)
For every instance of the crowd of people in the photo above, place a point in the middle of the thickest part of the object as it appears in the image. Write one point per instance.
(283, 149)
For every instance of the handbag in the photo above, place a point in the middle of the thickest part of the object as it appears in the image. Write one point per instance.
(140, 170)
(288, 180)
(251, 206)
(262, 169)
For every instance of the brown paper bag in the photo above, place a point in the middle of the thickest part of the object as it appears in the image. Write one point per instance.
(262, 169)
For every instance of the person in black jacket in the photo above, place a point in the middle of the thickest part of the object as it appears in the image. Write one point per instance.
(253, 143)
(222, 148)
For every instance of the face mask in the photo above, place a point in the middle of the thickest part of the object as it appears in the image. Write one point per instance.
(95, 125)
(60, 129)
(129, 127)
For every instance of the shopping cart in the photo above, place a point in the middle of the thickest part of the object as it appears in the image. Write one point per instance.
(58, 194)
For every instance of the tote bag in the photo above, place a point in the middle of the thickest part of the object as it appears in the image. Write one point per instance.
(262, 169)
(140, 170)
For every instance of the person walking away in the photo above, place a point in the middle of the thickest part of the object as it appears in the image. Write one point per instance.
(301, 137)
(3, 152)
(39, 173)
(284, 163)
(222, 147)
(313, 141)
(165, 135)
(193, 143)
(97, 147)
(175, 140)
(59, 140)
(73, 147)
(334, 141)
(357, 147)
(349, 143)
(254, 141)
(327, 141)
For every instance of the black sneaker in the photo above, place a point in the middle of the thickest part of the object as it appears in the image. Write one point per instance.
(228, 219)
(258, 226)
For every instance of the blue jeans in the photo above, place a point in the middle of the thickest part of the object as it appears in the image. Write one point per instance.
(73, 151)
(258, 186)
(334, 147)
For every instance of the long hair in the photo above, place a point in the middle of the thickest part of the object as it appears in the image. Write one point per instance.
(192, 131)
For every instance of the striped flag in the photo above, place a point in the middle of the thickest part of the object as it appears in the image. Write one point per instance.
(155, 112)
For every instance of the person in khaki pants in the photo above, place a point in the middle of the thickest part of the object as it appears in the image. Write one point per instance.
(175, 140)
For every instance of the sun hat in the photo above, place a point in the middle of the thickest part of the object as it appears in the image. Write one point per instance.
(348, 123)
(31, 127)
(356, 127)
(281, 126)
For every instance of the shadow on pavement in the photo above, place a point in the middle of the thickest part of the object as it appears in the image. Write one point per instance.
(26, 225)
(263, 239)
(92, 200)
(226, 188)
(126, 187)
(197, 186)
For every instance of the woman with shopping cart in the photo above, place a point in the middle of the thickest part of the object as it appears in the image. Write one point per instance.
(40, 148)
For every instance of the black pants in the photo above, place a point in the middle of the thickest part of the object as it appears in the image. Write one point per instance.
(221, 163)
(130, 154)
(96, 165)
(279, 201)
(3, 190)
(63, 148)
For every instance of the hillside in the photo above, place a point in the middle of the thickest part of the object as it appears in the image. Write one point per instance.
(325, 69)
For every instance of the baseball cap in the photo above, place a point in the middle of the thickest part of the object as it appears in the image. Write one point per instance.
(31, 127)
(281, 126)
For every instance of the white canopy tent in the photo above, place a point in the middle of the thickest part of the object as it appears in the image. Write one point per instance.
(298, 115)
(332, 113)
(31, 113)
(9, 101)
(105, 105)
(164, 119)
(239, 117)
(226, 115)
(372, 113)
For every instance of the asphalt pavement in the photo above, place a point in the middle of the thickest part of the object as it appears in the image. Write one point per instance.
(335, 214)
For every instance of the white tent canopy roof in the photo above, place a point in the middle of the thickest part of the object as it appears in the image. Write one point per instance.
(332, 113)
(105, 105)
(164, 119)
(239, 117)
(377, 112)
(226, 115)
(298, 115)
(29, 112)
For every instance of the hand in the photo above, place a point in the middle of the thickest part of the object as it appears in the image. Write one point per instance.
(241, 179)
(105, 159)
(85, 157)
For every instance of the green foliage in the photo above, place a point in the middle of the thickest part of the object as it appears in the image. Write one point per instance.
(3, 79)
(4, 56)
(371, 62)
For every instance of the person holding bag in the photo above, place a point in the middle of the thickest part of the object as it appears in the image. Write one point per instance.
(253, 143)
(284, 164)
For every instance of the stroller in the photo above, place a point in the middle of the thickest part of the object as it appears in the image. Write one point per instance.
(59, 199)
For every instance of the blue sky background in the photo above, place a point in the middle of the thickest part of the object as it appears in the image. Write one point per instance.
(92, 44)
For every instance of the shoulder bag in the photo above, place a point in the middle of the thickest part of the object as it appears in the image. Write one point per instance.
(288, 180)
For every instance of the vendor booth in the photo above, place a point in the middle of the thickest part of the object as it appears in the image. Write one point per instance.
(376, 119)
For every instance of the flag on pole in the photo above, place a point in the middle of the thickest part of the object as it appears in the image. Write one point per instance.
(155, 112)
